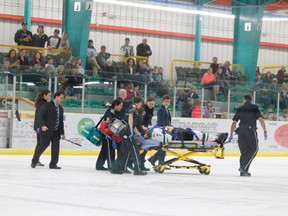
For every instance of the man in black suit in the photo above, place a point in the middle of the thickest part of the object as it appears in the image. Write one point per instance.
(163, 119)
(51, 130)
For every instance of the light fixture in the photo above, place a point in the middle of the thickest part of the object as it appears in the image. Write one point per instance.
(163, 8)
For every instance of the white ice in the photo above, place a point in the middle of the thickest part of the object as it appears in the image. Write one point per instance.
(78, 189)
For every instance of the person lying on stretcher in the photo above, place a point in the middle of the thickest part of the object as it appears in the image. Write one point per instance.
(156, 135)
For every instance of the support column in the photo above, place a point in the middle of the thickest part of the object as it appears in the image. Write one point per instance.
(197, 46)
(247, 33)
(27, 13)
(76, 20)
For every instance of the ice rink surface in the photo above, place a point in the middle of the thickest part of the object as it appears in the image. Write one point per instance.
(78, 189)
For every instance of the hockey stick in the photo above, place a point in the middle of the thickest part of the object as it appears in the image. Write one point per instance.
(73, 142)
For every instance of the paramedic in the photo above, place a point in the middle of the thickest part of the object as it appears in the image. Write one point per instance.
(108, 147)
(129, 145)
(247, 114)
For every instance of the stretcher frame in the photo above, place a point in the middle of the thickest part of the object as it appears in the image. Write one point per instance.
(217, 151)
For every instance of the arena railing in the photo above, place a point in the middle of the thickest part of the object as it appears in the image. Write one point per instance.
(93, 93)
(272, 68)
(44, 51)
(198, 67)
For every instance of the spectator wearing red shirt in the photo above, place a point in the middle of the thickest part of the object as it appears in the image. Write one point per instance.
(196, 109)
(130, 91)
(209, 82)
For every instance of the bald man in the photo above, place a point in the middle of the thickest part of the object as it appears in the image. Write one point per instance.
(143, 49)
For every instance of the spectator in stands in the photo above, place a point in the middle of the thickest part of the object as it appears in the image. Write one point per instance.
(102, 57)
(187, 108)
(284, 96)
(130, 67)
(64, 42)
(259, 82)
(73, 80)
(209, 82)
(91, 59)
(208, 110)
(50, 63)
(223, 85)
(269, 114)
(54, 42)
(273, 91)
(23, 60)
(23, 37)
(281, 74)
(136, 90)
(196, 109)
(126, 49)
(37, 59)
(109, 70)
(214, 65)
(181, 100)
(284, 117)
(268, 78)
(258, 71)
(14, 62)
(40, 38)
(129, 90)
(80, 68)
(62, 80)
(70, 64)
(227, 71)
(192, 94)
(143, 49)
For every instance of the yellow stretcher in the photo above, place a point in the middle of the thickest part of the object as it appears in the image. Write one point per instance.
(193, 147)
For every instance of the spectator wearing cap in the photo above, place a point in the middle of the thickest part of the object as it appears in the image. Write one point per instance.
(23, 37)
(40, 38)
(91, 63)
(73, 80)
(71, 63)
(126, 49)
(54, 41)
(102, 57)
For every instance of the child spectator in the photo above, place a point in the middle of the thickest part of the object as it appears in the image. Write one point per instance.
(208, 110)
(50, 63)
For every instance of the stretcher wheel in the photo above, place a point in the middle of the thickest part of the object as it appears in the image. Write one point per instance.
(204, 170)
(159, 169)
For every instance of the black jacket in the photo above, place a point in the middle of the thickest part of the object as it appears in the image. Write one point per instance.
(163, 116)
(39, 40)
(37, 113)
(20, 34)
(48, 117)
(142, 50)
(148, 114)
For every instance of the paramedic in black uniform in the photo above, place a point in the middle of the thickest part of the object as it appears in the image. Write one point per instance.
(128, 144)
(107, 151)
(247, 114)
